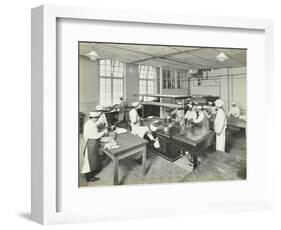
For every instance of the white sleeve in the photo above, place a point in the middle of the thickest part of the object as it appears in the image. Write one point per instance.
(238, 112)
(133, 116)
(91, 132)
(199, 119)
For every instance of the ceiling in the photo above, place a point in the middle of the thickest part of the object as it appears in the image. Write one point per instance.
(176, 57)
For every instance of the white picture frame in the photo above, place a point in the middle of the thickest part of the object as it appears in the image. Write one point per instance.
(45, 182)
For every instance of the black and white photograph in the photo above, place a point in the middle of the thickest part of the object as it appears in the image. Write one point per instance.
(151, 114)
(161, 114)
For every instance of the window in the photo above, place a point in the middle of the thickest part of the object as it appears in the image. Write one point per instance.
(168, 79)
(147, 80)
(111, 81)
(182, 81)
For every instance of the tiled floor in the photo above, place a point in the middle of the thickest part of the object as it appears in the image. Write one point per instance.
(159, 169)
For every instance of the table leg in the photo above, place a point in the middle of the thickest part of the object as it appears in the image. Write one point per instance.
(161, 112)
(195, 161)
(144, 161)
(115, 171)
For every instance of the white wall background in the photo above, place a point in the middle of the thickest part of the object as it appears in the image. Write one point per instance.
(132, 80)
(89, 84)
(15, 113)
(229, 84)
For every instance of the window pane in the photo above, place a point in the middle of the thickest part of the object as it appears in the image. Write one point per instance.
(117, 90)
(118, 69)
(178, 79)
(173, 83)
(169, 85)
(105, 91)
(111, 89)
(150, 87)
(102, 70)
(105, 68)
(142, 72)
(168, 79)
(147, 75)
(164, 79)
(142, 86)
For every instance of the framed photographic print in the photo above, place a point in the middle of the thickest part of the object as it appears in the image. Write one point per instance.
(138, 114)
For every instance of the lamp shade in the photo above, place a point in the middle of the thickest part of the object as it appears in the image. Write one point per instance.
(221, 57)
(93, 55)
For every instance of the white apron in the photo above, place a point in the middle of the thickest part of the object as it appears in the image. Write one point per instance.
(90, 132)
(220, 125)
(86, 165)
(137, 129)
(220, 140)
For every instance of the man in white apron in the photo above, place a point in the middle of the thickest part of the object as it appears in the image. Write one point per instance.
(152, 138)
(92, 163)
(190, 113)
(137, 129)
(234, 110)
(102, 121)
(220, 125)
(201, 120)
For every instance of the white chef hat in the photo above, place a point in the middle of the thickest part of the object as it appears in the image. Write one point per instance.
(199, 107)
(210, 103)
(233, 103)
(135, 104)
(153, 128)
(219, 103)
(94, 114)
(99, 107)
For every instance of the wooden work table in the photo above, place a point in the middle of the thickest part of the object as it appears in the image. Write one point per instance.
(194, 140)
(112, 114)
(173, 96)
(129, 145)
(232, 122)
(178, 139)
(236, 122)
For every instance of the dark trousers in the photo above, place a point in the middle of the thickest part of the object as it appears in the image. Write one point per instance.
(95, 160)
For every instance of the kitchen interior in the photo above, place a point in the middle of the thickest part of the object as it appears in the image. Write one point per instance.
(162, 83)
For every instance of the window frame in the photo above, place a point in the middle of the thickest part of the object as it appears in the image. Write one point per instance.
(112, 77)
(170, 83)
(182, 77)
(147, 79)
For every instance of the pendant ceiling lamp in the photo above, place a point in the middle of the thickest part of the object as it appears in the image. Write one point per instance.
(93, 55)
(221, 57)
